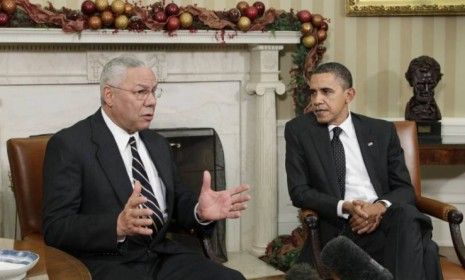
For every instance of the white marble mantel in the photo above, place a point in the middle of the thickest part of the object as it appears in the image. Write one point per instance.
(49, 80)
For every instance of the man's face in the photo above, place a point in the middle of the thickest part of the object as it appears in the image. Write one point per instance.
(125, 106)
(329, 99)
(423, 85)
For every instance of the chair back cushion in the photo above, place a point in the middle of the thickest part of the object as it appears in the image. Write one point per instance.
(26, 157)
(407, 132)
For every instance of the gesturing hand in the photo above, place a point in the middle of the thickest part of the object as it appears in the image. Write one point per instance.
(134, 219)
(217, 205)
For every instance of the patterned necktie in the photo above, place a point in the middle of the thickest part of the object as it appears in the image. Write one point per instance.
(339, 160)
(139, 174)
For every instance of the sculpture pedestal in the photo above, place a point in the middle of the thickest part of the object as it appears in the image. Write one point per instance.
(429, 132)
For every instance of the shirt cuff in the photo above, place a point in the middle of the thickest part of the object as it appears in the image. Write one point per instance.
(386, 203)
(339, 210)
(197, 218)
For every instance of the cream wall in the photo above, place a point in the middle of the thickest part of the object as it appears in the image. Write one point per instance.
(377, 50)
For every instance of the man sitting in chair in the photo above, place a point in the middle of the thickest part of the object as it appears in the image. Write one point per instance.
(351, 170)
(111, 189)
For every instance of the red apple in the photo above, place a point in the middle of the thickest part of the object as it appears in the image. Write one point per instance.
(251, 12)
(304, 16)
(317, 20)
(324, 26)
(4, 18)
(242, 6)
(159, 16)
(88, 7)
(157, 7)
(260, 7)
(321, 35)
(171, 9)
(173, 24)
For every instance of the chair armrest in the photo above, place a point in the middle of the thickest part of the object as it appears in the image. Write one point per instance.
(309, 219)
(450, 214)
(34, 237)
(439, 209)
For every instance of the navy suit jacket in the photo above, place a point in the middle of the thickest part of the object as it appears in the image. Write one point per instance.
(311, 173)
(86, 186)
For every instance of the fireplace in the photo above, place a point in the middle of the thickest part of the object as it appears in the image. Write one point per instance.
(196, 150)
(227, 85)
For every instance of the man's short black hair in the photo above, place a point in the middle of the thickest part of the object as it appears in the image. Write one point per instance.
(338, 70)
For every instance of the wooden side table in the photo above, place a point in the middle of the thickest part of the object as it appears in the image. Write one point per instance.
(53, 264)
(442, 154)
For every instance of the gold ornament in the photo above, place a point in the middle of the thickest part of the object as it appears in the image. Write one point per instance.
(242, 6)
(101, 5)
(117, 6)
(244, 23)
(128, 9)
(95, 22)
(309, 41)
(121, 22)
(107, 18)
(306, 28)
(186, 19)
(9, 6)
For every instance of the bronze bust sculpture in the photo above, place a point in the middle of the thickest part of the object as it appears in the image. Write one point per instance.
(423, 75)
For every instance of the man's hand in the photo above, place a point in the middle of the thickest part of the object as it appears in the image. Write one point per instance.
(219, 205)
(361, 224)
(134, 219)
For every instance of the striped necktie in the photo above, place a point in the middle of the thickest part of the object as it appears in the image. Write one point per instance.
(139, 174)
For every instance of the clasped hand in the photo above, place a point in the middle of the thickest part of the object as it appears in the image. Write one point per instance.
(365, 216)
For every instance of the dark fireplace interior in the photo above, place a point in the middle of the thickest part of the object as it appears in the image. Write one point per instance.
(196, 150)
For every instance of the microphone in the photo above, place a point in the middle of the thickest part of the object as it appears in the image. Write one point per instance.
(302, 271)
(348, 261)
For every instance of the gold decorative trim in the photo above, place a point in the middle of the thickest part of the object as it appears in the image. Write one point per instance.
(406, 8)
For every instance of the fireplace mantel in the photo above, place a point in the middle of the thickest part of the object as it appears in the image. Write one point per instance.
(49, 80)
(110, 36)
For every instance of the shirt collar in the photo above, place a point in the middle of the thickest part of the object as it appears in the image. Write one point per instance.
(347, 126)
(120, 135)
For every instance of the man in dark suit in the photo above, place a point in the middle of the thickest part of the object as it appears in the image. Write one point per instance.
(111, 189)
(351, 170)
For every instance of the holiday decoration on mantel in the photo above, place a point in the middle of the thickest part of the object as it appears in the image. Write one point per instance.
(169, 17)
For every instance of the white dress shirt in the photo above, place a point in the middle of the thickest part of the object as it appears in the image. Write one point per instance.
(122, 141)
(358, 185)
(158, 188)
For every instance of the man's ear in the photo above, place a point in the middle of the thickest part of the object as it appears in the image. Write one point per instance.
(350, 95)
(107, 96)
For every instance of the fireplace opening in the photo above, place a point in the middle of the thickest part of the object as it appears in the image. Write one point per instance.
(196, 150)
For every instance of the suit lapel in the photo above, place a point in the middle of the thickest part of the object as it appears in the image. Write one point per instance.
(322, 145)
(110, 159)
(368, 147)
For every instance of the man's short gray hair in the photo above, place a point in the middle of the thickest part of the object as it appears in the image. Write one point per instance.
(115, 70)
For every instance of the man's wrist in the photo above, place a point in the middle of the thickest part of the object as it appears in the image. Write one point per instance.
(383, 203)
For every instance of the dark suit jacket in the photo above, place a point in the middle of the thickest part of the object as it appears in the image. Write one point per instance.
(311, 173)
(86, 186)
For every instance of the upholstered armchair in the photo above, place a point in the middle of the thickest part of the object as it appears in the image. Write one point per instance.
(26, 156)
(443, 211)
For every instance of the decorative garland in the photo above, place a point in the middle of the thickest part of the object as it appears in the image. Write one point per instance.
(120, 15)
